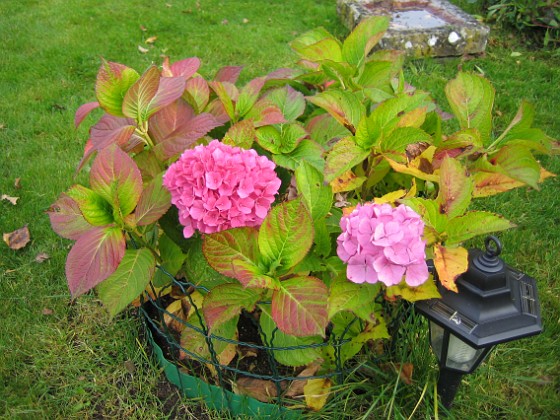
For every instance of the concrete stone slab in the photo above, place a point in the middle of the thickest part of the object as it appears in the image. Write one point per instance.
(421, 28)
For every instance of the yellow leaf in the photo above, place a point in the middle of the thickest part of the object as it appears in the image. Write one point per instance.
(390, 197)
(346, 182)
(151, 40)
(412, 170)
(450, 263)
(427, 290)
(414, 118)
(316, 392)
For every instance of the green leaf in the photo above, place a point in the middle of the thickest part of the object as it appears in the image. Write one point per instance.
(221, 249)
(518, 163)
(324, 129)
(344, 106)
(363, 38)
(402, 137)
(226, 301)
(140, 94)
(475, 223)
(116, 178)
(455, 188)
(153, 203)
(113, 81)
(307, 151)
(471, 98)
(224, 97)
(276, 338)
(340, 72)
(241, 134)
(282, 138)
(128, 281)
(197, 269)
(299, 307)
(376, 74)
(95, 209)
(356, 298)
(316, 196)
(388, 116)
(289, 101)
(196, 341)
(322, 238)
(286, 235)
(248, 96)
(172, 260)
(344, 156)
(310, 38)
(250, 274)
(197, 93)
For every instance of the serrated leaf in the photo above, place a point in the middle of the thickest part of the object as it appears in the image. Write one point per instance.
(251, 275)
(471, 98)
(197, 269)
(290, 102)
(344, 106)
(197, 93)
(265, 112)
(427, 290)
(344, 156)
(286, 234)
(241, 134)
(138, 97)
(316, 195)
(518, 163)
(114, 130)
(226, 301)
(307, 151)
(450, 263)
(129, 280)
(172, 258)
(94, 257)
(325, 130)
(66, 218)
(455, 188)
(113, 81)
(222, 248)
(475, 223)
(116, 178)
(363, 38)
(282, 138)
(356, 298)
(248, 96)
(154, 202)
(299, 307)
(168, 121)
(94, 208)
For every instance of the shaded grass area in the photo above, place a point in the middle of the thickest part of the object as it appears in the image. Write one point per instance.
(69, 360)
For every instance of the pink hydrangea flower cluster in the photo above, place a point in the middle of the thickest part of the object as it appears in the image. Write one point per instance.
(382, 243)
(217, 187)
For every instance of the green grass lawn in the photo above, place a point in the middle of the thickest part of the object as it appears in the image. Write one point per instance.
(63, 359)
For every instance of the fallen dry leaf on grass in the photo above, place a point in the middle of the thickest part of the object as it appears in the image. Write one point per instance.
(42, 257)
(142, 49)
(18, 238)
(259, 389)
(12, 200)
(17, 183)
(47, 311)
(151, 40)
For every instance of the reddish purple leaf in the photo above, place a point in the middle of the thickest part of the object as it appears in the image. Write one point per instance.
(83, 112)
(217, 109)
(89, 150)
(93, 258)
(228, 74)
(154, 202)
(166, 121)
(185, 136)
(299, 307)
(170, 89)
(183, 68)
(281, 74)
(66, 218)
(264, 112)
(115, 177)
(111, 130)
(251, 276)
(197, 93)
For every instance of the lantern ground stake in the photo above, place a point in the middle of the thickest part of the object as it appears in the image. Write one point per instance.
(495, 304)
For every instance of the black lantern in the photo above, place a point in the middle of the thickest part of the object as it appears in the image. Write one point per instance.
(495, 304)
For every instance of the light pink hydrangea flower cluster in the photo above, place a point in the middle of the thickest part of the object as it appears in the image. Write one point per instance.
(217, 187)
(382, 243)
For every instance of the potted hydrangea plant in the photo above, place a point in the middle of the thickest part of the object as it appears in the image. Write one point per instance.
(304, 200)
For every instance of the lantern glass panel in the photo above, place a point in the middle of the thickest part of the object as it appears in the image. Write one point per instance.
(436, 339)
(460, 355)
